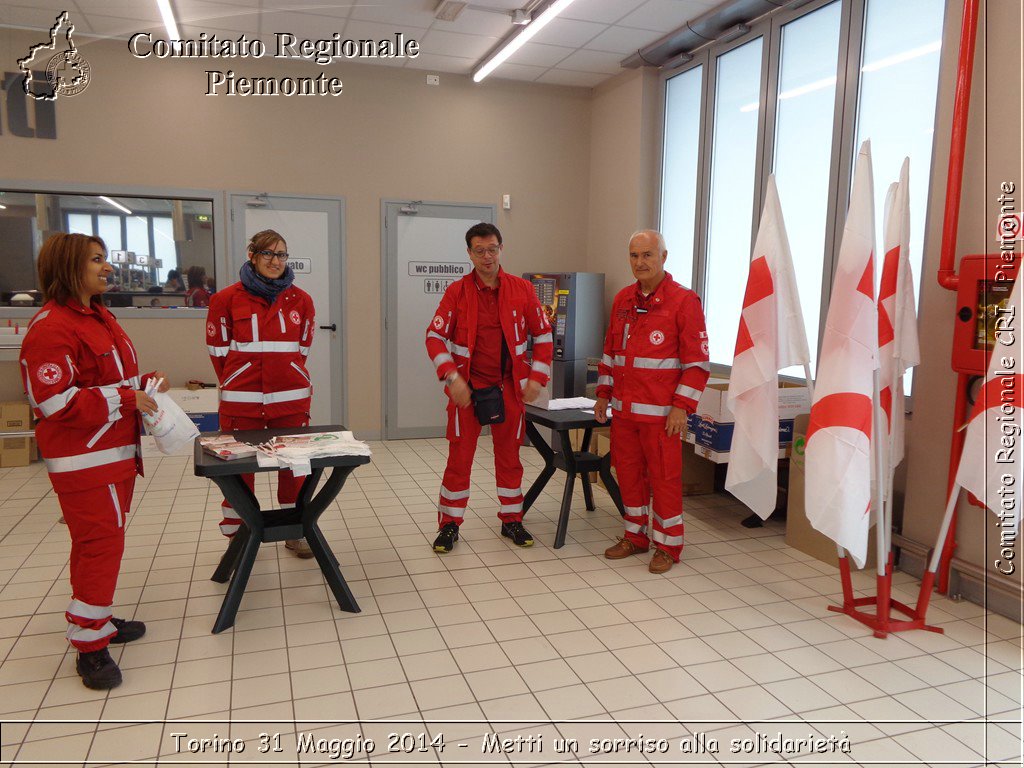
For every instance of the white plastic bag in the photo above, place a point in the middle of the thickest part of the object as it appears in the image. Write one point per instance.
(170, 426)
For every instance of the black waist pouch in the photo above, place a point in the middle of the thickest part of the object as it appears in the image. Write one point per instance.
(489, 405)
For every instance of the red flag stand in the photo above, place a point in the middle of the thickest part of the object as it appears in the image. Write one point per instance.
(880, 622)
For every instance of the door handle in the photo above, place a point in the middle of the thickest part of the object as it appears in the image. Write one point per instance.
(331, 327)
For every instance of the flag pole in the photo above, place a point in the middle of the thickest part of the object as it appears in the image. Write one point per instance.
(928, 580)
(882, 579)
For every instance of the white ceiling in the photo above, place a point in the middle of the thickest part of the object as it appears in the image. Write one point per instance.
(582, 47)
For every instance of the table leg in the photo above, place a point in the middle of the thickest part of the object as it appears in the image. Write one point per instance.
(229, 561)
(310, 509)
(549, 465)
(609, 483)
(250, 537)
(588, 491)
(233, 598)
(570, 481)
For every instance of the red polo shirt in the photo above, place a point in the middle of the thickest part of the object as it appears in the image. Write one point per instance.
(485, 365)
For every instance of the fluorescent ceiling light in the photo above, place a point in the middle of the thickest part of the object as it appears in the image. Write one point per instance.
(3, 207)
(520, 39)
(115, 204)
(167, 14)
(899, 58)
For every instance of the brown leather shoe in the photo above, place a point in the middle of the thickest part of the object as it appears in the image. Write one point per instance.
(660, 562)
(624, 548)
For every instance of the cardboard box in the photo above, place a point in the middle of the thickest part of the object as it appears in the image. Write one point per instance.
(196, 400)
(15, 417)
(711, 427)
(718, 457)
(201, 405)
(15, 451)
(800, 534)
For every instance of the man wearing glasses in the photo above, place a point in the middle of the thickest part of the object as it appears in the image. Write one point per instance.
(477, 341)
(258, 333)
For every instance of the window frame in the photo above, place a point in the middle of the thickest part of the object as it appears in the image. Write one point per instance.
(844, 133)
(220, 228)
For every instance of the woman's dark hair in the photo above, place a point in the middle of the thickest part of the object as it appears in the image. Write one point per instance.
(197, 277)
(61, 264)
(482, 230)
(264, 241)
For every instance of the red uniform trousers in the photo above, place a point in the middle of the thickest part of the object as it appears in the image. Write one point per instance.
(646, 460)
(288, 485)
(463, 432)
(95, 519)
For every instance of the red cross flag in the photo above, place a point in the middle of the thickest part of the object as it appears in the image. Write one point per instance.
(898, 348)
(771, 336)
(838, 451)
(990, 465)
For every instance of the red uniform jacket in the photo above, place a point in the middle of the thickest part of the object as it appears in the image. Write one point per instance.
(80, 373)
(259, 351)
(451, 335)
(654, 359)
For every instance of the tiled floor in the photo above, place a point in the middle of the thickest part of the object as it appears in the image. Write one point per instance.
(730, 648)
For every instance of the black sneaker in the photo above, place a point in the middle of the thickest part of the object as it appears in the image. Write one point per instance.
(98, 670)
(127, 630)
(519, 535)
(446, 538)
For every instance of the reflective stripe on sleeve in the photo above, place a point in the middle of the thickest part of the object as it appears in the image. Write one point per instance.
(658, 364)
(539, 367)
(690, 392)
(304, 351)
(58, 402)
(441, 359)
(265, 346)
(544, 338)
(520, 349)
(646, 409)
(704, 365)
(113, 397)
(217, 351)
(436, 335)
(461, 351)
(91, 459)
(605, 381)
(607, 360)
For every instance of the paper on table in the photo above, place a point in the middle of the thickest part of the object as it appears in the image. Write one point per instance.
(568, 403)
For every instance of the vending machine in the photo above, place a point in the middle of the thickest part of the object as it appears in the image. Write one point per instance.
(574, 304)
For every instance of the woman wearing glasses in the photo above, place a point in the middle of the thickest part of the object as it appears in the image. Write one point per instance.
(259, 332)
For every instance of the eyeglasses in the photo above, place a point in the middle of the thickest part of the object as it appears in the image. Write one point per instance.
(493, 250)
(268, 256)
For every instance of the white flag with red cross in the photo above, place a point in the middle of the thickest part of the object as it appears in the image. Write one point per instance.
(898, 348)
(838, 449)
(991, 463)
(771, 336)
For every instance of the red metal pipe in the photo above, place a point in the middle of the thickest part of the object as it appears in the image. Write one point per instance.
(958, 141)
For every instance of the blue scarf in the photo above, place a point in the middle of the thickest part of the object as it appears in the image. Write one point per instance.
(265, 287)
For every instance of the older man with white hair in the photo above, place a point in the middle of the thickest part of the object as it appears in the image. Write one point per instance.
(653, 371)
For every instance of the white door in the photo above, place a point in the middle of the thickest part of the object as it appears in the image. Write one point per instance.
(312, 229)
(424, 252)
